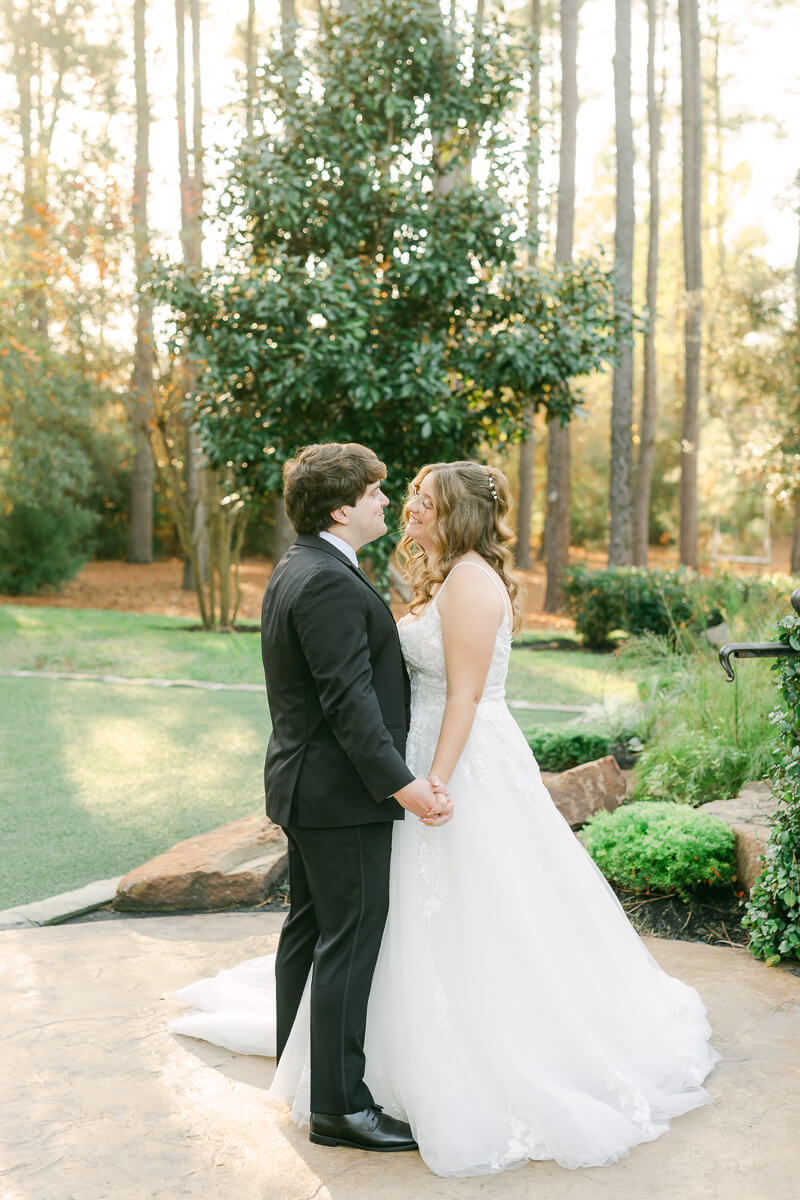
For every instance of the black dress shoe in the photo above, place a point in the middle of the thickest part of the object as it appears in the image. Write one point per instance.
(369, 1129)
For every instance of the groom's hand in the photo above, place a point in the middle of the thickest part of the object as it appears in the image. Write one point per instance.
(443, 809)
(419, 798)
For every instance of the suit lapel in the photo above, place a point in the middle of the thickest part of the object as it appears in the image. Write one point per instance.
(317, 543)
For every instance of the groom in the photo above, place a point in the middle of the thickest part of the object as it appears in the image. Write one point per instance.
(335, 776)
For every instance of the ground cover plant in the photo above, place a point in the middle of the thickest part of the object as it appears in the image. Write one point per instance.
(654, 846)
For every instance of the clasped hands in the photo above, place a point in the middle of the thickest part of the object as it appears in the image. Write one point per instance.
(427, 799)
(442, 810)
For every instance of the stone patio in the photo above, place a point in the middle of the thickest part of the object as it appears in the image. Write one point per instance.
(101, 1102)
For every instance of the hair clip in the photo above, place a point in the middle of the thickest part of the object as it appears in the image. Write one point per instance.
(492, 488)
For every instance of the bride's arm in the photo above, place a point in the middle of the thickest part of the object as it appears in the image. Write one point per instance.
(470, 610)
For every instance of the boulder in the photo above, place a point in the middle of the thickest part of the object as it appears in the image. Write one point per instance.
(750, 816)
(238, 863)
(586, 789)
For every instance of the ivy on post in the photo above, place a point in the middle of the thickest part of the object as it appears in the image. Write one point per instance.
(773, 912)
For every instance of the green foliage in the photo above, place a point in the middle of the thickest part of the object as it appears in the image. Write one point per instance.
(666, 603)
(374, 291)
(59, 446)
(556, 751)
(42, 546)
(773, 913)
(695, 768)
(704, 737)
(658, 846)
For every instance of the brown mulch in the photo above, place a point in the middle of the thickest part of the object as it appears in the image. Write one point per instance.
(156, 588)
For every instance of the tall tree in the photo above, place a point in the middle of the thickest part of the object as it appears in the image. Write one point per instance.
(795, 564)
(620, 525)
(691, 205)
(190, 173)
(649, 414)
(140, 540)
(250, 55)
(390, 313)
(558, 442)
(528, 444)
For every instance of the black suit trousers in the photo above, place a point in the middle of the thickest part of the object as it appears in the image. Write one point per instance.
(339, 887)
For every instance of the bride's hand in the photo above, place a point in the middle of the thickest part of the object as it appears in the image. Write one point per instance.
(443, 810)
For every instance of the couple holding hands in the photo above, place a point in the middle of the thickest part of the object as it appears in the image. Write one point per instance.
(454, 975)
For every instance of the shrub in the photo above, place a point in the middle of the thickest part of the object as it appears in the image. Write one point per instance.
(773, 913)
(559, 751)
(658, 846)
(43, 546)
(666, 603)
(694, 768)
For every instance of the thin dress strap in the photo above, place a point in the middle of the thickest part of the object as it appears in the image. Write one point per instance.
(487, 570)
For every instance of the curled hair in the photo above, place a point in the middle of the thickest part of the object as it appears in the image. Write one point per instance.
(472, 503)
(324, 477)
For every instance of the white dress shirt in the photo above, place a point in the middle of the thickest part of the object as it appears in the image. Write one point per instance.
(340, 544)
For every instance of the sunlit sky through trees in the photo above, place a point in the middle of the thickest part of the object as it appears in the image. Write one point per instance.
(760, 69)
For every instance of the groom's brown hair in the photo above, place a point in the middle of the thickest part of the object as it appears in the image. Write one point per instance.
(324, 477)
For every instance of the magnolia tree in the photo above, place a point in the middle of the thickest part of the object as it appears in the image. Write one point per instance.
(375, 291)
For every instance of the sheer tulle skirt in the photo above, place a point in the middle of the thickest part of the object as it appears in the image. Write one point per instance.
(515, 1014)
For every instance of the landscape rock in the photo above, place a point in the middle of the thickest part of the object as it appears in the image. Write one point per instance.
(587, 789)
(238, 863)
(750, 816)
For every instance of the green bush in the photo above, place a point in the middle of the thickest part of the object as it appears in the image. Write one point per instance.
(43, 546)
(559, 751)
(663, 847)
(773, 913)
(665, 603)
(694, 768)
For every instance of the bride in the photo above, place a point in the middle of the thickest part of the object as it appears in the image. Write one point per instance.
(514, 1014)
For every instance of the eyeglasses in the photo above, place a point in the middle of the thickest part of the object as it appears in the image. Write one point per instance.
(416, 494)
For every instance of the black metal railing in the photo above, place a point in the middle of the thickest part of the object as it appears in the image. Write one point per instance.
(758, 649)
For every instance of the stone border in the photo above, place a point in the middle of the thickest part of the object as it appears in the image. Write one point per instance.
(61, 907)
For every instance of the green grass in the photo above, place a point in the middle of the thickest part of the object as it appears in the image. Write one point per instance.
(134, 645)
(96, 778)
(705, 737)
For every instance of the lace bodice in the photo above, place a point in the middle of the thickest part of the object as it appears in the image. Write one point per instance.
(423, 649)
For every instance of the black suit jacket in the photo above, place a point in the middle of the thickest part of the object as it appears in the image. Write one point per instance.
(338, 693)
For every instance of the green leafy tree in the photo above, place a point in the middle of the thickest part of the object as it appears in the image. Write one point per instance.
(362, 299)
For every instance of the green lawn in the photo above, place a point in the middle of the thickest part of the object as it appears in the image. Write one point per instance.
(96, 778)
(135, 645)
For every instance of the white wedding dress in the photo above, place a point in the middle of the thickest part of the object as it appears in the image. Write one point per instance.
(515, 1014)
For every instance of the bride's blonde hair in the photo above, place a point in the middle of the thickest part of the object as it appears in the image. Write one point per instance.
(471, 503)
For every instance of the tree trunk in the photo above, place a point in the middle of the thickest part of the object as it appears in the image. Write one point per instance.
(691, 203)
(283, 534)
(527, 446)
(619, 503)
(795, 563)
(250, 67)
(558, 446)
(647, 426)
(140, 536)
(191, 187)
